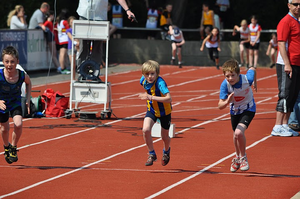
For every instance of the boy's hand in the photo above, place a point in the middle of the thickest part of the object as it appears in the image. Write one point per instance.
(2, 105)
(230, 98)
(143, 96)
(28, 108)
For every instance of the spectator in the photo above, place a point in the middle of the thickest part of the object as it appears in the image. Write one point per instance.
(212, 43)
(99, 14)
(166, 20)
(16, 18)
(118, 21)
(177, 40)
(288, 69)
(62, 27)
(38, 17)
(244, 41)
(272, 48)
(152, 19)
(207, 21)
(49, 24)
(223, 11)
(69, 31)
(255, 30)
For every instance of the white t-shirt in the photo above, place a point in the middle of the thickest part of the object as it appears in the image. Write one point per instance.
(93, 9)
(15, 23)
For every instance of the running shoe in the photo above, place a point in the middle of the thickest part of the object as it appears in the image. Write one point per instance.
(172, 61)
(151, 159)
(218, 67)
(65, 72)
(281, 132)
(165, 159)
(235, 165)
(6, 153)
(244, 165)
(13, 156)
(288, 129)
(272, 65)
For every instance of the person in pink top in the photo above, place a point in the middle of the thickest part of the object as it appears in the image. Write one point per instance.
(287, 68)
(255, 30)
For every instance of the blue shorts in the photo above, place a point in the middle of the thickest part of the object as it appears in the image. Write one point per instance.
(165, 121)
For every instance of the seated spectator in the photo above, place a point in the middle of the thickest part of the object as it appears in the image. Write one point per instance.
(166, 20)
(16, 18)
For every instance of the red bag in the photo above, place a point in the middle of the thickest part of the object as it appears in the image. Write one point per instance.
(55, 103)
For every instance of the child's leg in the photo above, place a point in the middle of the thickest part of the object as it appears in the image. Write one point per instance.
(255, 58)
(239, 140)
(251, 57)
(62, 53)
(247, 55)
(18, 124)
(273, 55)
(147, 126)
(242, 53)
(174, 48)
(166, 139)
(179, 54)
(5, 132)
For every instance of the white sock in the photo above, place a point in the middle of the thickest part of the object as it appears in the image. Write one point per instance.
(285, 125)
(277, 126)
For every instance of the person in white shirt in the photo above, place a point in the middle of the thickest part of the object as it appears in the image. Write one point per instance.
(16, 18)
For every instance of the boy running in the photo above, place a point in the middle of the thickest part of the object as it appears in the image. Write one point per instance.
(236, 91)
(158, 107)
(11, 80)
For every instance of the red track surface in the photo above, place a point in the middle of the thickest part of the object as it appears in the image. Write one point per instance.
(66, 158)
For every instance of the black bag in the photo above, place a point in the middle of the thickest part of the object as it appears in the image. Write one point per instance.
(24, 108)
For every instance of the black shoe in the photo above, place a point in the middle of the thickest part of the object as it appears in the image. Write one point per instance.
(151, 159)
(272, 65)
(218, 67)
(7, 150)
(165, 159)
(13, 156)
(180, 65)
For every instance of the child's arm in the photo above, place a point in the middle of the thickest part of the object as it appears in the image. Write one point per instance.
(219, 46)
(146, 96)
(204, 41)
(235, 28)
(28, 91)
(182, 41)
(224, 102)
(69, 35)
(254, 80)
(269, 48)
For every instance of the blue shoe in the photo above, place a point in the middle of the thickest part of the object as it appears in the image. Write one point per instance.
(288, 129)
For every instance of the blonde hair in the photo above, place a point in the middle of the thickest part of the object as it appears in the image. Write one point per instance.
(150, 66)
(244, 22)
(12, 13)
(231, 65)
(69, 19)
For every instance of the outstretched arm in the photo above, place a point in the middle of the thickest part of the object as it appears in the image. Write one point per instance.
(126, 8)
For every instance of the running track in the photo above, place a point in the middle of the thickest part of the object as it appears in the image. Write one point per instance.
(67, 158)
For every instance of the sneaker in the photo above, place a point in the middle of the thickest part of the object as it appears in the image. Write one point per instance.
(272, 65)
(244, 165)
(288, 129)
(218, 67)
(65, 72)
(13, 157)
(165, 159)
(6, 153)
(151, 159)
(295, 127)
(172, 61)
(180, 65)
(235, 165)
(58, 70)
(281, 132)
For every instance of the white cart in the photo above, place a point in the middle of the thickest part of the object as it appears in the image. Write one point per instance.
(90, 92)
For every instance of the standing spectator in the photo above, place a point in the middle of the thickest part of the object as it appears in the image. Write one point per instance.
(287, 68)
(152, 19)
(38, 17)
(223, 11)
(244, 41)
(212, 43)
(236, 92)
(62, 27)
(10, 101)
(177, 40)
(95, 10)
(49, 24)
(207, 21)
(113, 28)
(166, 20)
(272, 48)
(255, 30)
(16, 18)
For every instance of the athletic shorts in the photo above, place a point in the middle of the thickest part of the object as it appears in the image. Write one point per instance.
(4, 116)
(246, 45)
(255, 47)
(209, 26)
(165, 121)
(244, 118)
(288, 88)
(64, 46)
(177, 42)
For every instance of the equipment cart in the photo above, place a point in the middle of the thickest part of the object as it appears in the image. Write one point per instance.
(90, 88)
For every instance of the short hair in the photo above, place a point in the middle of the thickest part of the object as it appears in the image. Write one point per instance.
(244, 22)
(231, 65)
(290, 1)
(45, 5)
(10, 50)
(150, 66)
